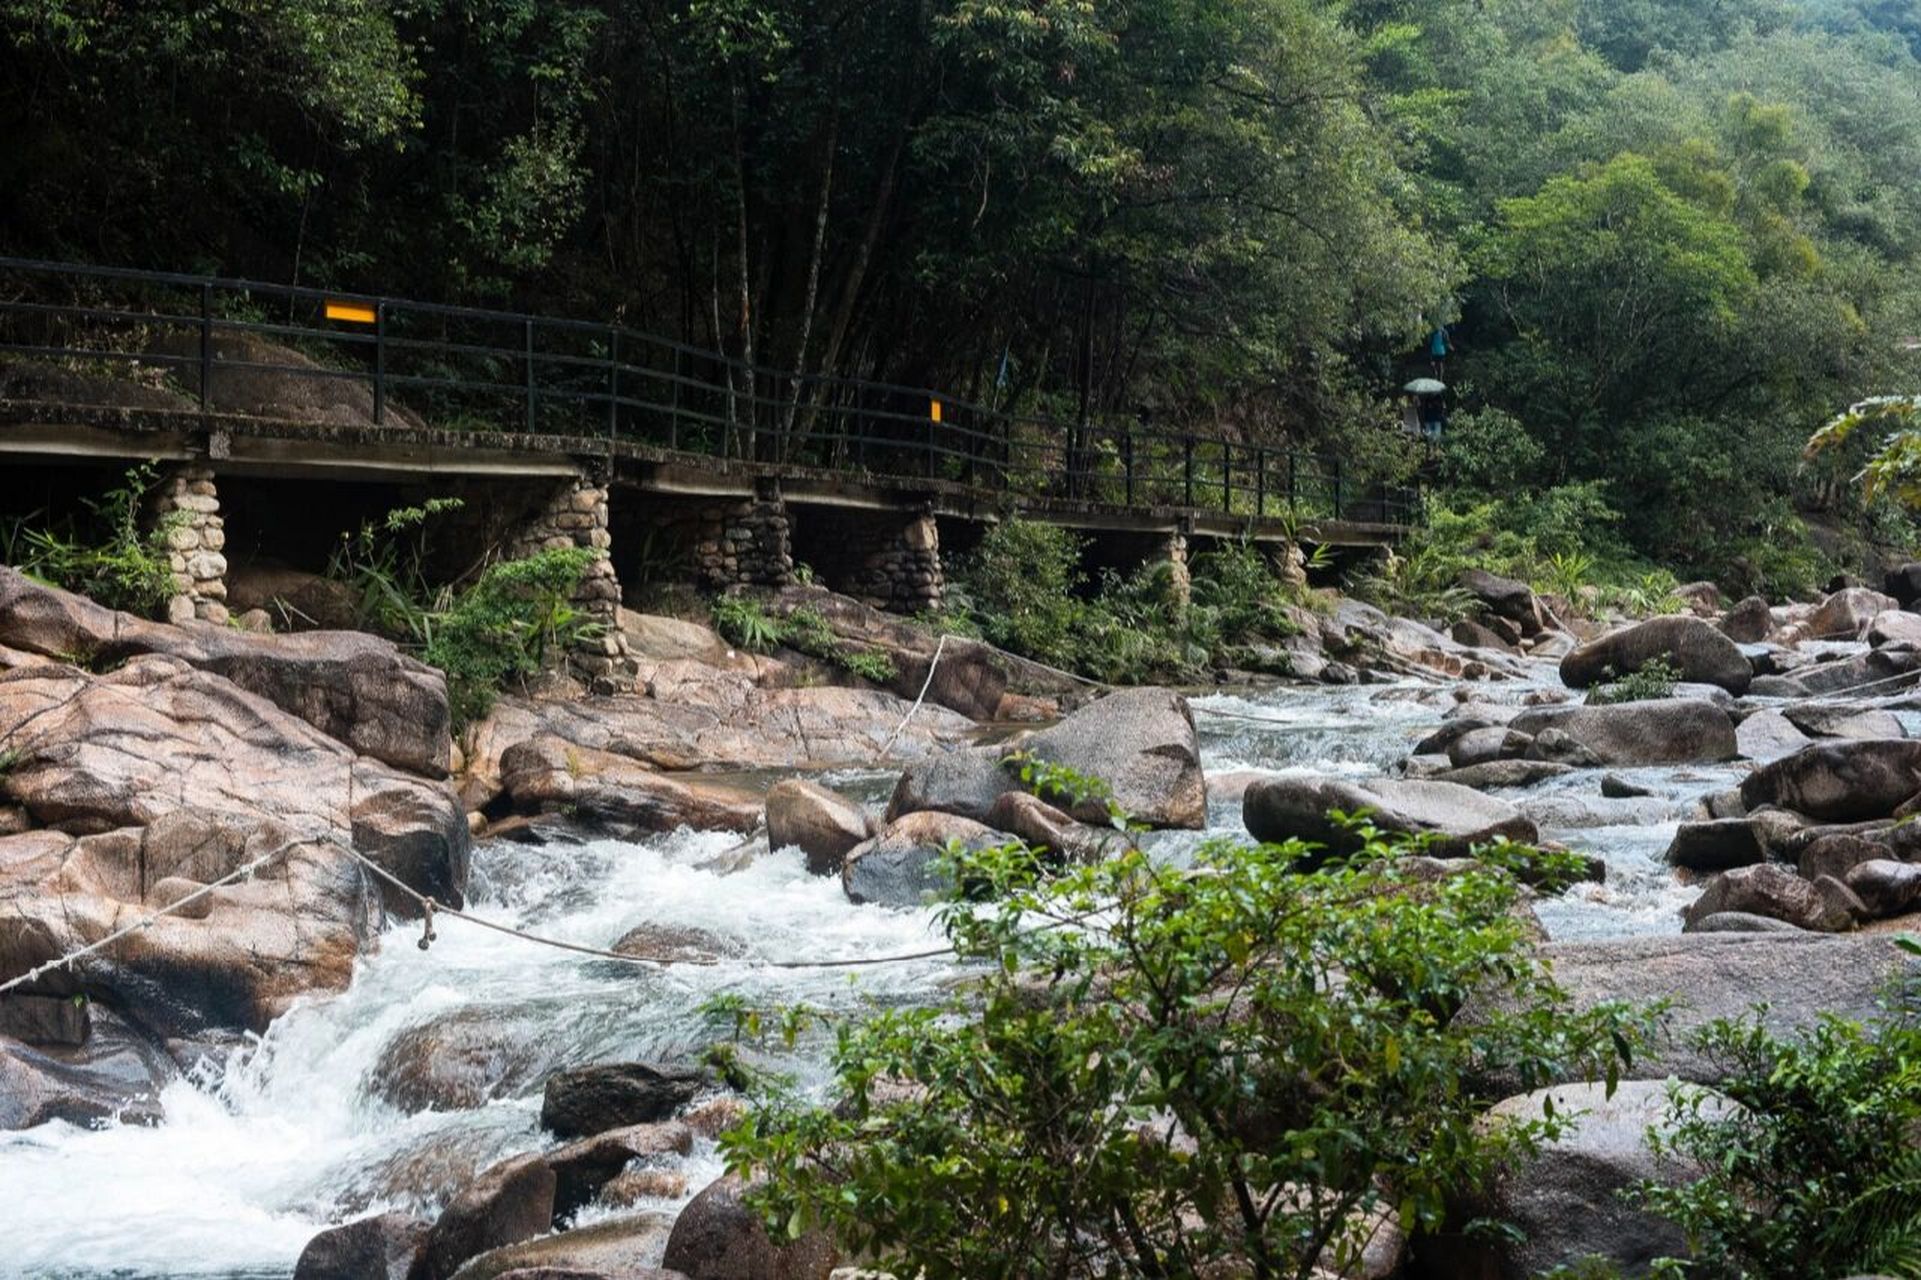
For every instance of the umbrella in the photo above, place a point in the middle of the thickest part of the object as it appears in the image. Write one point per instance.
(1425, 387)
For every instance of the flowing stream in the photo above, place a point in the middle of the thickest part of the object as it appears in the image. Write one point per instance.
(298, 1131)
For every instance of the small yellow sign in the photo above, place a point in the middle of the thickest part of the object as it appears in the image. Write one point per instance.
(351, 312)
(933, 410)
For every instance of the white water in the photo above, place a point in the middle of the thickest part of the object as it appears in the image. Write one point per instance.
(293, 1136)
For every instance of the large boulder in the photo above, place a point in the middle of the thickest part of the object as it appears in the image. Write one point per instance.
(717, 1237)
(1882, 670)
(1903, 582)
(1714, 845)
(1895, 626)
(1503, 598)
(1844, 720)
(1658, 731)
(1846, 615)
(463, 1059)
(1140, 742)
(582, 1168)
(614, 1095)
(1568, 1200)
(1886, 887)
(1772, 890)
(159, 780)
(1749, 621)
(617, 1249)
(386, 1246)
(1798, 977)
(1841, 781)
(1700, 652)
(720, 724)
(546, 774)
(113, 1072)
(1280, 809)
(824, 825)
(353, 687)
(900, 866)
(1768, 735)
(509, 1202)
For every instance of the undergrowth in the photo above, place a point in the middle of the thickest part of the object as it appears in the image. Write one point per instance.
(745, 623)
(104, 555)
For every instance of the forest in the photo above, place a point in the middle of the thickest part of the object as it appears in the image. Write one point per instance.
(1667, 239)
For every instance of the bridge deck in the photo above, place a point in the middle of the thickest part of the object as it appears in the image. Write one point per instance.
(250, 445)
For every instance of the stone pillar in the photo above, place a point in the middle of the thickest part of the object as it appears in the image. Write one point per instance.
(576, 516)
(1173, 553)
(187, 506)
(746, 544)
(904, 574)
(1290, 565)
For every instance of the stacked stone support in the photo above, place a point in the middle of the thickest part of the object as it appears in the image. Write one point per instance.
(186, 506)
(746, 544)
(904, 575)
(1173, 553)
(576, 516)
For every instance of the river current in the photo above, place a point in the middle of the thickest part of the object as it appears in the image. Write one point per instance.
(296, 1134)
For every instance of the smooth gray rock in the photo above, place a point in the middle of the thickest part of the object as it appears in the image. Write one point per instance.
(1739, 922)
(1748, 622)
(1841, 781)
(1770, 889)
(1768, 735)
(1844, 720)
(1484, 745)
(617, 1249)
(1660, 731)
(116, 1074)
(898, 867)
(383, 1247)
(1567, 1200)
(1140, 742)
(1717, 845)
(823, 824)
(617, 1095)
(1280, 809)
(1709, 976)
(717, 1237)
(1497, 774)
(1886, 888)
(1695, 648)
(509, 1202)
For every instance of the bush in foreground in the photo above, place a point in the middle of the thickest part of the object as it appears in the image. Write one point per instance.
(1157, 1070)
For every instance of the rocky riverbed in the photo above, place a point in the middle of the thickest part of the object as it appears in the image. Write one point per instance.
(207, 1096)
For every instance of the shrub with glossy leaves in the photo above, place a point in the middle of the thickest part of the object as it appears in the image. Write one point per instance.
(1157, 1070)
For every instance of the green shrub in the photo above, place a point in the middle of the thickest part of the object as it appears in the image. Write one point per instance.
(1651, 682)
(743, 623)
(106, 556)
(1815, 1172)
(1158, 1072)
(869, 664)
(1238, 585)
(1023, 582)
(506, 626)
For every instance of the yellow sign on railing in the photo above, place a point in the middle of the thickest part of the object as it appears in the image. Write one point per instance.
(933, 410)
(351, 312)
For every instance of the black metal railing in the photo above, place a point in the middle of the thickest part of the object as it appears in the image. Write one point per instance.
(284, 352)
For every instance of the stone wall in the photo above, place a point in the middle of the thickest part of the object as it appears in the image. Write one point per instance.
(187, 505)
(884, 559)
(575, 515)
(734, 542)
(1173, 552)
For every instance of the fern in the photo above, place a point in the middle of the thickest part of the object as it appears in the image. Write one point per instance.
(1880, 1229)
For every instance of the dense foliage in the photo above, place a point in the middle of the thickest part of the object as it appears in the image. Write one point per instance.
(1157, 1070)
(1669, 238)
(1025, 588)
(1814, 1172)
(112, 554)
(510, 622)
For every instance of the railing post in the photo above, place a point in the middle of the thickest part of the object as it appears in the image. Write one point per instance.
(613, 382)
(1293, 495)
(930, 446)
(1337, 488)
(531, 393)
(1260, 484)
(1127, 463)
(1187, 471)
(380, 362)
(206, 345)
(1227, 477)
(673, 406)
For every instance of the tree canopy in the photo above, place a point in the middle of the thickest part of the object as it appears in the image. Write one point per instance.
(1669, 237)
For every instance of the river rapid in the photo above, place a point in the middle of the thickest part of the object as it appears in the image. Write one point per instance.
(296, 1133)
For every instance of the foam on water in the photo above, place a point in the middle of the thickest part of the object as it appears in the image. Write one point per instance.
(296, 1133)
(243, 1172)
